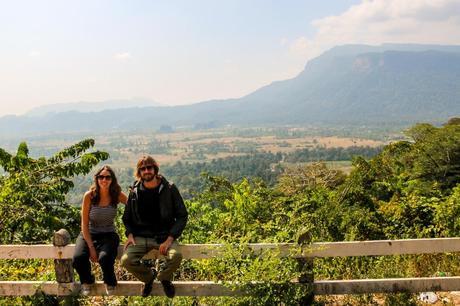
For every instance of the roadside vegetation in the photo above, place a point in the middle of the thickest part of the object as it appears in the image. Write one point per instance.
(406, 189)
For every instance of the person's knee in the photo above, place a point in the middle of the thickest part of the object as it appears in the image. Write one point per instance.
(106, 259)
(78, 260)
(128, 261)
(176, 256)
(124, 260)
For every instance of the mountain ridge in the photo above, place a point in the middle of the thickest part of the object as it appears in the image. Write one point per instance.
(351, 84)
(88, 106)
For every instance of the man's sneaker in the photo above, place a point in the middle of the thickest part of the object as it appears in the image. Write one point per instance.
(85, 289)
(168, 288)
(110, 290)
(147, 288)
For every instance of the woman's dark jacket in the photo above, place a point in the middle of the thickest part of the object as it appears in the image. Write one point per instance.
(173, 213)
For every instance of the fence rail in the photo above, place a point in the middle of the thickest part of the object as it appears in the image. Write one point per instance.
(209, 288)
(317, 249)
(62, 254)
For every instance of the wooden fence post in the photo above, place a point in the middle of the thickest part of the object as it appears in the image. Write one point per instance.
(62, 267)
(307, 276)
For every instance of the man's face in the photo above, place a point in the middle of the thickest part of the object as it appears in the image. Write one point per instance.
(147, 173)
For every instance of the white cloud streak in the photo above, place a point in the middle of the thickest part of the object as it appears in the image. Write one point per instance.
(385, 21)
(34, 53)
(122, 56)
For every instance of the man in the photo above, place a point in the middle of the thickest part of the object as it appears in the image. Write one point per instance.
(154, 218)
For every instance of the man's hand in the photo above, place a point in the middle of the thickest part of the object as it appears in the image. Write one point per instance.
(164, 247)
(129, 242)
(93, 254)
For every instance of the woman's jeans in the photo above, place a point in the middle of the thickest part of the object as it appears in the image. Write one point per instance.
(106, 245)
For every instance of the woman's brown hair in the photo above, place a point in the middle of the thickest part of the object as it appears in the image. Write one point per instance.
(114, 189)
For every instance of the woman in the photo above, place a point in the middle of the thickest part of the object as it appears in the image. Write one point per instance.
(98, 240)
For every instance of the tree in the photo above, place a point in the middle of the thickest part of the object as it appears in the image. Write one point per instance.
(436, 154)
(453, 121)
(32, 191)
(300, 177)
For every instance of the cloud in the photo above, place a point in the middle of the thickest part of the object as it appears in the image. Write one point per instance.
(386, 21)
(34, 53)
(283, 41)
(304, 47)
(122, 56)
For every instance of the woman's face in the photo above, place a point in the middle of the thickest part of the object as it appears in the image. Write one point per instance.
(104, 179)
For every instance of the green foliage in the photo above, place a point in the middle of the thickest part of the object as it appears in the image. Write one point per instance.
(382, 198)
(409, 190)
(436, 153)
(241, 213)
(265, 278)
(311, 176)
(447, 215)
(331, 154)
(32, 191)
(410, 217)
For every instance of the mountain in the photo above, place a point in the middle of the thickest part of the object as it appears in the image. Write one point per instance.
(365, 84)
(85, 107)
(351, 84)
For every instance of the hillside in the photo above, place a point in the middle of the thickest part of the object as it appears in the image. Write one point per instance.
(351, 84)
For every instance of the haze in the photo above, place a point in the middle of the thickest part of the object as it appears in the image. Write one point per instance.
(189, 51)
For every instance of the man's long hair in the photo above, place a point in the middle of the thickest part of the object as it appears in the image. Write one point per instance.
(114, 189)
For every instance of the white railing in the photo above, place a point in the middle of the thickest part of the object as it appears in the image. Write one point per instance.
(62, 253)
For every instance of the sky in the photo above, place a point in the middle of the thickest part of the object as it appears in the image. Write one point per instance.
(181, 51)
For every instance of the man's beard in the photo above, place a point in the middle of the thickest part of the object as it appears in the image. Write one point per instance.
(148, 177)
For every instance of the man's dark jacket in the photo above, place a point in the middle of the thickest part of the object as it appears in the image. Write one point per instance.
(173, 213)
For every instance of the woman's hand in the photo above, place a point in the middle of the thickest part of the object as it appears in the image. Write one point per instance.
(93, 254)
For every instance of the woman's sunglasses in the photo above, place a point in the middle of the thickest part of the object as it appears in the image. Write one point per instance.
(104, 177)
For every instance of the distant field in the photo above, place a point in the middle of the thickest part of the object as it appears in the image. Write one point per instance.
(203, 146)
(197, 146)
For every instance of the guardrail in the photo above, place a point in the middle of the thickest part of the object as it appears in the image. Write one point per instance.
(61, 251)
